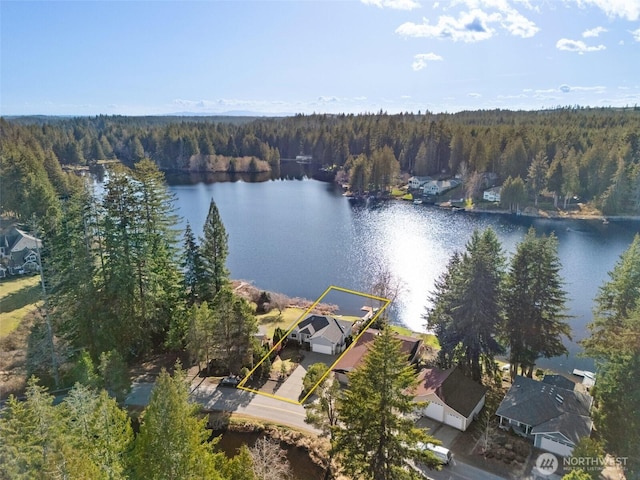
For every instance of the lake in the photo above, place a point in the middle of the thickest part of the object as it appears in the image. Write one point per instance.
(299, 236)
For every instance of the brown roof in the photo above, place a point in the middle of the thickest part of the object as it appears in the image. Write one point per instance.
(452, 387)
(353, 357)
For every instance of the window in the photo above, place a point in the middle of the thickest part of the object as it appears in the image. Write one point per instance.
(293, 335)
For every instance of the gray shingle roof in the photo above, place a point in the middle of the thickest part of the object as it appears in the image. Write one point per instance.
(545, 406)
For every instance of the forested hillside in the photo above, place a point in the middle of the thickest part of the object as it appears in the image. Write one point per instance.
(592, 154)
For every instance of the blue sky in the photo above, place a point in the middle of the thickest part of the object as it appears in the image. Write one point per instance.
(282, 57)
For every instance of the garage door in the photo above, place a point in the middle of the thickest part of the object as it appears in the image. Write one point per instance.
(434, 411)
(555, 447)
(326, 349)
(455, 421)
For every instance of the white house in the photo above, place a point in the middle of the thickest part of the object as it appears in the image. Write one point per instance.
(322, 334)
(555, 418)
(438, 187)
(492, 195)
(416, 183)
(453, 398)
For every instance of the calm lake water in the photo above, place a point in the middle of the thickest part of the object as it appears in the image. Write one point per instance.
(299, 236)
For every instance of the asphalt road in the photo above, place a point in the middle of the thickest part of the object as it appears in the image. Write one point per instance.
(215, 398)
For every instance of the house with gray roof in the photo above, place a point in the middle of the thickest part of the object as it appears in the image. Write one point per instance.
(322, 334)
(18, 252)
(555, 418)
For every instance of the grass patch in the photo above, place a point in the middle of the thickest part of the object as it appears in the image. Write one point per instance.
(270, 321)
(428, 339)
(18, 297)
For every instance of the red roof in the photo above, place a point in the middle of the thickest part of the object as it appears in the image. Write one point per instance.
(353, 357)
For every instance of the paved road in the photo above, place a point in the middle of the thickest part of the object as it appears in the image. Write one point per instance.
(215, 398)
(457, 470)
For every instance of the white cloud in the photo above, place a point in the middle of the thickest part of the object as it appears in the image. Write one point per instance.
(474, 95)
(577, 46)
(565, 88)
(394, 4)
(636, 35)
(594, 32)
(469, 27)
(475, 24)
(628, 9)
(420, 60)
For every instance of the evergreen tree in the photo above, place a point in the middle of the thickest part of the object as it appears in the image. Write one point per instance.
(537, 176)
(614, 342)
(214, 247)
(192, 267)
(100, 429)
(172, 440)
(375, 437)
(534, 304)
(233, 330)
(466, 309)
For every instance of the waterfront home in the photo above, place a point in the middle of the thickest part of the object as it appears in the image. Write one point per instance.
(412, 347)
(438, 187)
(554, 418)
(322, 334)
(453, 398)
(492, 195)
(416, 183)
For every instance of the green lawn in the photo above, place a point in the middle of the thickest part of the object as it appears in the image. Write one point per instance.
(18, 297)
(274, 319)
(427, 338)
(287, 319)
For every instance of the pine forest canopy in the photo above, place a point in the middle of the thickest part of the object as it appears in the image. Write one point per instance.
(590, 153)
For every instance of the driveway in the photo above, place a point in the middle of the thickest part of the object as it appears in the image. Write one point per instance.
(291, 389)
(446, 434)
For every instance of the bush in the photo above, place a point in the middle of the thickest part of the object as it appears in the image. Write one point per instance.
(313, 375)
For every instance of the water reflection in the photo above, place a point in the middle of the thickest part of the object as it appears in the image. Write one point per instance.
(299, 237)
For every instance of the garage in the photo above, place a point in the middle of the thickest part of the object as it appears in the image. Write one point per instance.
(435, 411)
(319, 348)
(454, 421)
(555, 447)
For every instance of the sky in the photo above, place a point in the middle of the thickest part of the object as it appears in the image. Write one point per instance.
(304, 56)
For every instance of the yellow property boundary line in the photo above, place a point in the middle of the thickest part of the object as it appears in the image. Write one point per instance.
(386, 303)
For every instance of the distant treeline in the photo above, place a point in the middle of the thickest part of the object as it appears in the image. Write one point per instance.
(590, 153)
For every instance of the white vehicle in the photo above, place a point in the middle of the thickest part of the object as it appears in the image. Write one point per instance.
(443, 454)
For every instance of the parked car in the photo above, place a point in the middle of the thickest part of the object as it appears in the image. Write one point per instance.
(443, 454)
(230, 381)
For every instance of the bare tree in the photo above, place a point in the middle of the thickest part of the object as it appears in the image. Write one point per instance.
(270, 460)
(473, 185)
(384, 284)
(279, 301)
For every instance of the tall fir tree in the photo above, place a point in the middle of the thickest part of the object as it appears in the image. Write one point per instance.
(534, 304)
(614, 342)
(376, 437)
(215, 248)
(466, 308)
(172, 443)
(192, 267)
